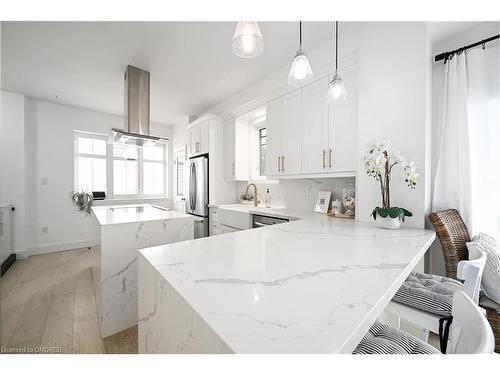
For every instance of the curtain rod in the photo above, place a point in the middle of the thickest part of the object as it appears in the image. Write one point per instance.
(445, 55)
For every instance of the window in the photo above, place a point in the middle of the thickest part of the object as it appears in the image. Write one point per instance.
(120, 170)
(153, 176)
(262, 151)
(125, 170)
(90, 163)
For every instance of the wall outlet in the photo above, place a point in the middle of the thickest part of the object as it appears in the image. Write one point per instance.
(268, 190)
(308, 191)
(44, 230)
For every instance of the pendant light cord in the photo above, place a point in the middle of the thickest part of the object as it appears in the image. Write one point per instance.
(336, 44)
(300, 35)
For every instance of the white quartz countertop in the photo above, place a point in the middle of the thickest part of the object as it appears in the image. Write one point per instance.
(308, 286)
(280, 212)
(131, 213)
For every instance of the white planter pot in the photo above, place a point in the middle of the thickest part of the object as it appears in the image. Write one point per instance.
(388, 222)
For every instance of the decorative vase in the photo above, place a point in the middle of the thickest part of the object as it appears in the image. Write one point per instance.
(388, 222)
(349, 198)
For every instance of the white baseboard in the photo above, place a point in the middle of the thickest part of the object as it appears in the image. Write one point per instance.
(22, 254)
(52, 248)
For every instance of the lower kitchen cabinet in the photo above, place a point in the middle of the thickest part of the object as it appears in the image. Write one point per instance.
(227, 221)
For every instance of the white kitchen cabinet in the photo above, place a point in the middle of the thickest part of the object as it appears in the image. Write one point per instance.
(274, 116)
(283, 135)
(307, 137)
(215, 228)
(236, 150)
(228, 229)
(228, 221)
(291, 160)
(198, 138)
(343, 126)
(315, 127)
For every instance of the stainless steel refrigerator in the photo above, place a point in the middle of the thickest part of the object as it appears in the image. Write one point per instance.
(197, 202)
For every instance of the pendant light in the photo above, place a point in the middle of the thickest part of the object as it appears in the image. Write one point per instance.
(336, 88)
(300, 71)
(247, 40)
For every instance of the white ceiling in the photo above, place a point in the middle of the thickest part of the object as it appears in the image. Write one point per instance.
(191, 63)
(442, 31)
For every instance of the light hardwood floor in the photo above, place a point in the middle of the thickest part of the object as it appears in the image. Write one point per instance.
(47, 301)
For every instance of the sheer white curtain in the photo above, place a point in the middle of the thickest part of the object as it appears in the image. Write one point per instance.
(468, 169)
(452, 184)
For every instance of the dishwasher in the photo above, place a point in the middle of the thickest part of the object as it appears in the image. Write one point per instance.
(259, 221)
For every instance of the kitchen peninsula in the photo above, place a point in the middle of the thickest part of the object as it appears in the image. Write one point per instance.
(124, 230)
(315, 285)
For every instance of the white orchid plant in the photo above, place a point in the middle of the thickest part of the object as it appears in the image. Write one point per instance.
(379, 163)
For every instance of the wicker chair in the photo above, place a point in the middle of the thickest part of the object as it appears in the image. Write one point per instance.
(453, 235)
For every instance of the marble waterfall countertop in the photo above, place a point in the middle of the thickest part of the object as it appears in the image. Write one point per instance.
(309, 286)
(131, 213)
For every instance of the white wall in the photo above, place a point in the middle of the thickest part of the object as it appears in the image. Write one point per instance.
(393, 103)
(43, 146)
(12, 162)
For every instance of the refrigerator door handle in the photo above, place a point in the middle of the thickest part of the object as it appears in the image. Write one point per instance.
(191, 187)
(195, 185)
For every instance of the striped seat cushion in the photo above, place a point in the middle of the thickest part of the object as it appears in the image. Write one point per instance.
(430, 293)
(383, 339)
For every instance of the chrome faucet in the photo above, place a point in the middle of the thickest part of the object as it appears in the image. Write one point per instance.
(255, 199)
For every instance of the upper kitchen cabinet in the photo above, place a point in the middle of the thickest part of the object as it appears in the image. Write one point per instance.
(236, 150)
(283, 125)
(198, 137)
(274, 116)
(343, 126)
(307, 137)
(315, 150)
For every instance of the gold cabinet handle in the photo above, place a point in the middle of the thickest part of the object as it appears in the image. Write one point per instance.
(324, 154)
(282, 163)
(279, 159)
(330, 158)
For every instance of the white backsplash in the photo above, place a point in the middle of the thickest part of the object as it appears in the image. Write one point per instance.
(292, 193)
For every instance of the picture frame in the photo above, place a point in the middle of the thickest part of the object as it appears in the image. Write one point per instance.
(322, 201)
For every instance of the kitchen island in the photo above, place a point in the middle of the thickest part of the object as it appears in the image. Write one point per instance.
(314, 285)
(124, 230)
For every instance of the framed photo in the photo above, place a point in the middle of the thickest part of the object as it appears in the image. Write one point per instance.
(322, 201)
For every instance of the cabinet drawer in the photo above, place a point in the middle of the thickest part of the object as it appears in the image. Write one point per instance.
(215, 228)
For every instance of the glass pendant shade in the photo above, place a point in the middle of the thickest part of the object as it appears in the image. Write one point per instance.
(300, 71)
(336, 89)
(247, 40)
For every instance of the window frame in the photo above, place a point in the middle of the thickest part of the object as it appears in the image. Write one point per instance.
(259, 135)
(109, 157)
(77, 155)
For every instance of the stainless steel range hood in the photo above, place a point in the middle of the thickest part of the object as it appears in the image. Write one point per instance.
(137, 126)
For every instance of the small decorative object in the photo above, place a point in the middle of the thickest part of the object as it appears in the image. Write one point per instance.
(322, 201)
(246, 198)
(83, 201)
(379, 164)
(336, 207)
(349, 198)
